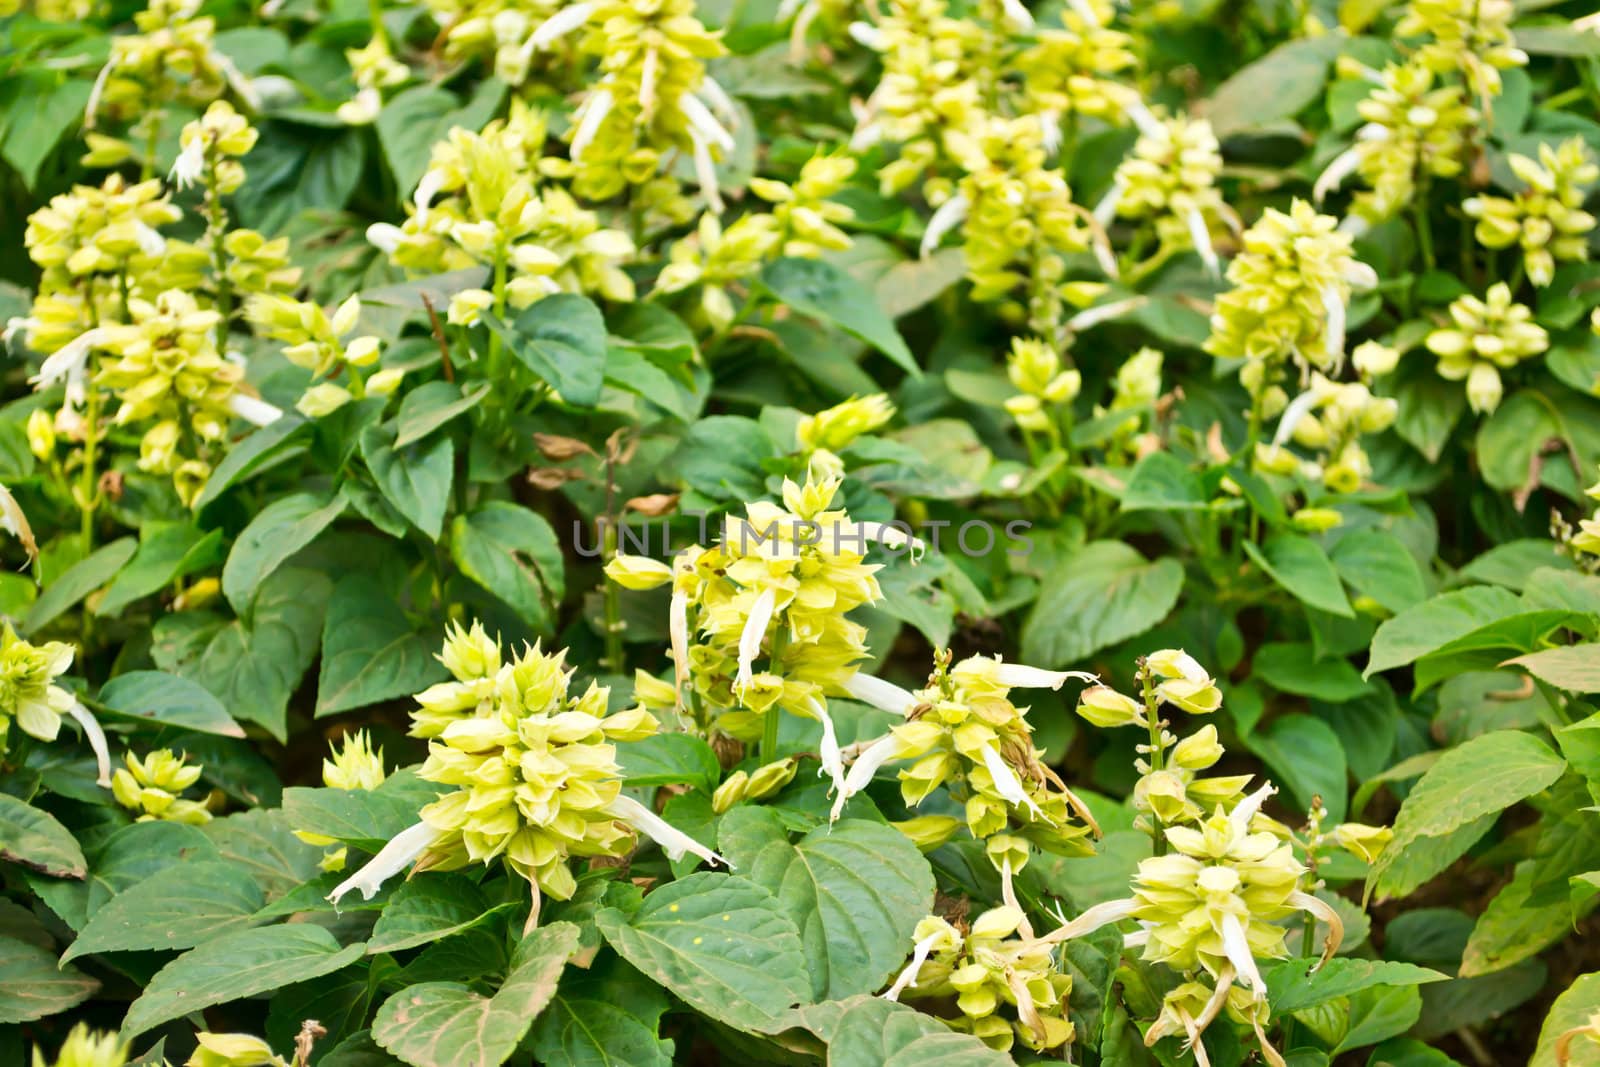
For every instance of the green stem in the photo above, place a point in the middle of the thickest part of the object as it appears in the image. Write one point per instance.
(769, 724)
(613, 606)
(1157, 756)
(216, 227)
(1424, 226)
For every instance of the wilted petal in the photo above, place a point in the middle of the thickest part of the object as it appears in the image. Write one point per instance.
(1102, 914)
(674, 842)
(15, 522)
(401, 851)
(1321, 909)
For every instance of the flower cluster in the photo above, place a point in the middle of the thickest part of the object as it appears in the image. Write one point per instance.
(1486, 337)
(1415, 127)
(503, 32)
(1546, 219)
(84, 1047)
(354, 765)
(321, 343)
(806, 219)
(962, 731)
(1291, 286)
(151, 787)
(1171, 179)
(481, 203)
(28, 693)
(1042, 384)
(777, 588)
(534, 768)
(233, 1050)
(1469, 37)
(834, 428)
(1003, 981)
(1069, 71)
(1329, 418)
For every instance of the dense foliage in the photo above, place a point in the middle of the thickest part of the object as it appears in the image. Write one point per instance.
(938, 532)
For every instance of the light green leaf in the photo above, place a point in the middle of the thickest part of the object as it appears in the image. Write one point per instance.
(562, 339)
(1276, 86)
(723, 944)
(1101, 594)
(873, 1032)
(167, 552)
(1301, 566)
(274, 443)
(1292, 985)
(1433, 623)
(33, 984)
(855, 890)
(156, 696)
(237, 965)
(1307, 758)
(1379, 1014)
(370, 653)
(282, 528)
(513, 553)
(1163, 482)
(180, 907)
(1378, 564)
(823, 291)
(81, 579)
(1514, 927)
(1295, 668)
(1570, 1011)
(431, 406)
(606, 1016)
(416, 479)
(446, 1024)
(428, 909)
(415, 119)
(32, 837)
(669, 759)
(1575, 668)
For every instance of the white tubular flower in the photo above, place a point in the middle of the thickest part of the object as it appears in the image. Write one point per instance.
(1106, 209)
(802, 26)
(828, 753)
(705, 169)
(68, 362)
(885, 535)
(1200, 234)
(563, 22)
(401, 852)
(151, 243)
(1360, 276)
(867, 35)
(702, 121)
(1138, 113)
(951, 213)
(385, 237)
(427, 188)
(674, 842)
(1102, 914)
(254, 410)
(721, 103)
(1244, 813)
(244, 87)
(1354, 226)
(885, 696)
(866, 765)
(755, 630)
(907, 978)
(1021, 676)
(1050, 130)
(1094, 316)
(1298, 409)
(363, 109)
(647, 82)
(1084, 11)
(1333, 176)
(1017, 15)
(97, 741)
(1237, 948)
(595, 109)
(678, 633)
(1333, 304)
(1007, 784)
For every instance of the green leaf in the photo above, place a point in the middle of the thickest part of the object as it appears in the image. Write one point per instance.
(669, 759)
(262, 841)
(274, 443)
(823, 291)
(156, 696)
(33, 984)
(1474, 781)
(1429, 407)
(1163, 482)
(432, 405)
(429, 909)
(236, 965)
(1277, 86)
(251, 666)
(562, 339)
(513, 553)
(720, 456)
(1420, 630)
(81, 579)
(1292, 985)
(33, 838)
(446, 1024)
(723, 944)
(1557, 40)
(1295, 668)
(1101, 594)
(416, 479)
(367, 818)
(1404, 1052)
(855, 890)
(1305, 754)
(414, 120)
(1511, 438)
(606, 1016)
(1514, 927)
(1575, 668)
(873, 1032)
(1379, 1014)
(1301, 566)
(1378, 564)
(185, 905)
(51, 103)
(167, 552)
(1514, 562)
(282, 528)
(294, 168)
(1570, 1011)
(370, 653)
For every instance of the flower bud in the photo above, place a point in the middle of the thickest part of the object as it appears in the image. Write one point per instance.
(322, 400)
(1317, 520)
(730, 792)
(1199, 750)
(1362, 841)
(637, 572)
(41, 434)
(1105, 707)
(929, 832)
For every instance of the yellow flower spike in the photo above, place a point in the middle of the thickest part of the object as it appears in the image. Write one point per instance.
(834, 428)
(354, 764)
(151, 788)
(84, 1047)
(1485, 337)
(637, 572)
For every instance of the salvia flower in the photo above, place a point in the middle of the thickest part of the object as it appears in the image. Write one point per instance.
(1330, 418)
(807, 220)
(233, 1050)
(534, 770)
(28, 693)
(84, 1047)
(835, 428)
(1546, 219)
(1171, 179)
(353, 765)
(1469, 37)
(1003, 983)
(151, 787)
(1484, 338)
